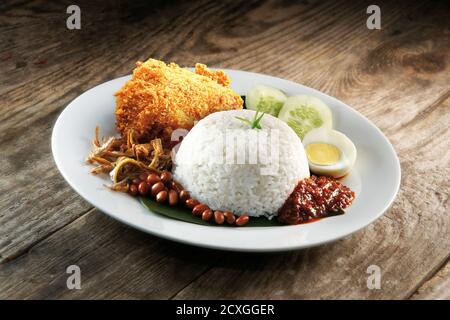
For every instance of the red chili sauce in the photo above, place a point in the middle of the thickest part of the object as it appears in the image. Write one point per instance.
(314, 198)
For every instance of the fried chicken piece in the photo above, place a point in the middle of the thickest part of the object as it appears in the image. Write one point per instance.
(160, 98)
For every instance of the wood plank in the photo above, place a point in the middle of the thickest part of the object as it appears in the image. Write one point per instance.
(398, 77)
(34, 198)
(116, 262)
(437, 288)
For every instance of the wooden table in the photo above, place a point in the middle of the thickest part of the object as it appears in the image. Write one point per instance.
(398, 77)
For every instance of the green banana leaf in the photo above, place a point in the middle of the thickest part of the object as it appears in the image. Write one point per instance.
(184, 214)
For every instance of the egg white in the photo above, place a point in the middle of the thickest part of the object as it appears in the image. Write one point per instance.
(339, 140)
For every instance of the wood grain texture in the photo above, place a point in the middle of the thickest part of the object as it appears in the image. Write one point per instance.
(398, 77)
(116, 262)
(438, 287)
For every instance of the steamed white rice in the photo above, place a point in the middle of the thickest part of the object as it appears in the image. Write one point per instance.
(256, 186)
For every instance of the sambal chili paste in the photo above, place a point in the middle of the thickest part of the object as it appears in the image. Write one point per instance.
(314, 198)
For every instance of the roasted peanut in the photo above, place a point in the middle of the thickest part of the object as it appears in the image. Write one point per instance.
(184, 195)
(173, 197)
(242, 220)
(176, 186)
(166, 177)
(219, 218)
(206, 215)
(133, 190)
(157, 188)
(161, 197)
(152, 178)
(198, 209)
(142, 188)
(229, 216)
(191, 203)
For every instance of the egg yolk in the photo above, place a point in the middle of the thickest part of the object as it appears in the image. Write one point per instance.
(323, 154)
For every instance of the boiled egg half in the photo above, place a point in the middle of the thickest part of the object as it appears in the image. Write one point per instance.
(329, 152)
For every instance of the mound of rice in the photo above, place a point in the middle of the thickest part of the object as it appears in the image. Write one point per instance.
(216, 163)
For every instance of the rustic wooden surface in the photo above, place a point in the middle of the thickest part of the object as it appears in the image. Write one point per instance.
(399, 77)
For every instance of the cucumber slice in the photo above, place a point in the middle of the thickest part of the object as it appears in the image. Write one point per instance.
(304, 113)
(265, 99)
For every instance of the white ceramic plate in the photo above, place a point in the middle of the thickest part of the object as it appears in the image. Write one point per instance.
(375, 177)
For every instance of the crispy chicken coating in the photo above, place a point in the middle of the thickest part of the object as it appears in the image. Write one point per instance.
(160, 98)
